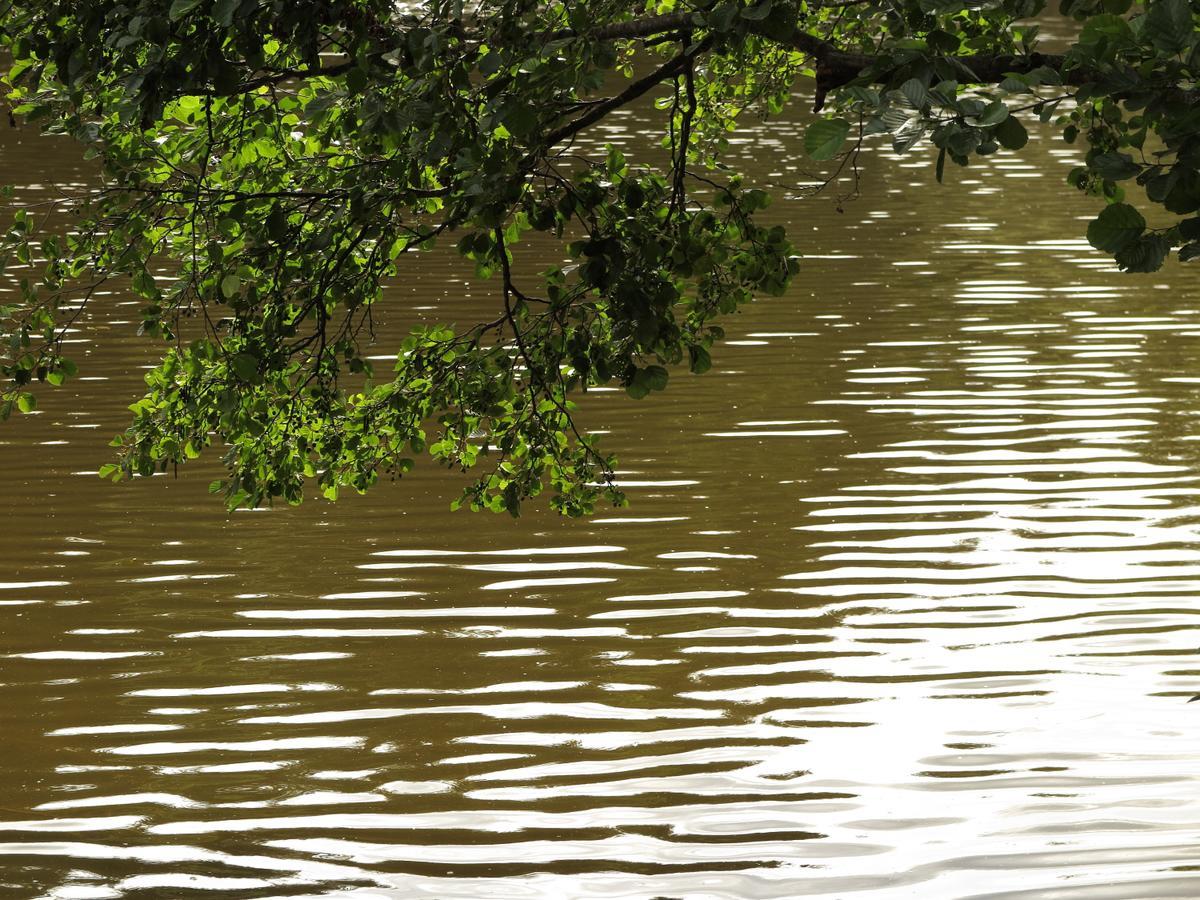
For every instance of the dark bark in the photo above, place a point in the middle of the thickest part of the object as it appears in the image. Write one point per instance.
(669, 69)
(835, 67)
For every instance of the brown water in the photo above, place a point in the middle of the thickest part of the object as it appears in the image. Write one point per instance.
(904, 606)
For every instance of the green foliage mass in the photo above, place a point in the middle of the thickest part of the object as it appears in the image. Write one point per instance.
(268, 165)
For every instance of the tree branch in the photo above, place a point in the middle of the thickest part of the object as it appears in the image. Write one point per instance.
(273, 79)
(674, 66)
(835, 66)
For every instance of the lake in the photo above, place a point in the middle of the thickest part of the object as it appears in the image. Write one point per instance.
(904, 604)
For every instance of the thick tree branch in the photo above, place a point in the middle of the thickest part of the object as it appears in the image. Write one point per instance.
(634, 28)
(650, 26)
(835, 67)
(674, 66)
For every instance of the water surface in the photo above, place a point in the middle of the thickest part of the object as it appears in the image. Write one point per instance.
(904, 605)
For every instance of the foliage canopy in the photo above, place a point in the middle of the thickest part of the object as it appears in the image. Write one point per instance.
(283, 158)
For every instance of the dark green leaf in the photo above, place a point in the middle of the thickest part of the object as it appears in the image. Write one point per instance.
(915, 93)
(1189, 229)
(180, 8)
(1146, 254)
(995, 113)
(758, 11)
(1115, 166)
(245, 366)
(1116, 227)
(1011, 134)
(1168, 25)
(223, 11)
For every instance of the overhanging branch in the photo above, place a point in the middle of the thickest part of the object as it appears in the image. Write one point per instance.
(674, 66)
(835, 67)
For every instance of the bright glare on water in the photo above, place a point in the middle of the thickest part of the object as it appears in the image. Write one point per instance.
(904, 606)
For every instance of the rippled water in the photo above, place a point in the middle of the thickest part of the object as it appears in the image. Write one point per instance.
(904, 606)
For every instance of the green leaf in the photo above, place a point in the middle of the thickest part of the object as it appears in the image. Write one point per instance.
(1115, 166)
(915, 93)
(490, 63)
(245, 366)
(230, 285)
(181, 8)
(223, 11)
(825, 137)
(995, 113)
(1011, 134)
(1117, 226)
(943, 42)
(1146, 254)
(26, 402)
(1183, 197)
(1189, 229)
(656, 377)
(1102, 34)
(143, 283)
(940, 169)
(520, 119)
(758, 11)
(1168, 25)
(906, 138)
